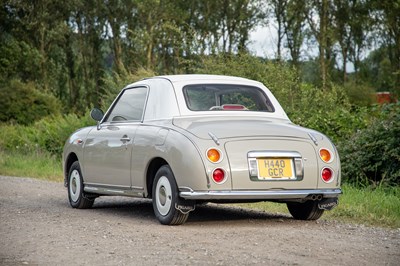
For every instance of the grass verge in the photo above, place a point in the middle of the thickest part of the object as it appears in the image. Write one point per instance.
(38, 165)
(375, 207)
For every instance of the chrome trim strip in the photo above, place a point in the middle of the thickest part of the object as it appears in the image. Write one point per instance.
(274, 154)
(96, 185)
(214, 138)
(114, 190)
(313, 139)
(264, 194)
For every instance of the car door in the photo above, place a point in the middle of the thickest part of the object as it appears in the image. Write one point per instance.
(108, 148)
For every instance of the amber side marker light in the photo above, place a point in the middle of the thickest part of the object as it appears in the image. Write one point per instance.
(325, 155)
(213, 155)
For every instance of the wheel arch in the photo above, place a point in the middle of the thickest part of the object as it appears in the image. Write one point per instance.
(71, 158)
(152, 169)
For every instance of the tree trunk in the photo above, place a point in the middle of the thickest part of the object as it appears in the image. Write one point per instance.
(323, 44)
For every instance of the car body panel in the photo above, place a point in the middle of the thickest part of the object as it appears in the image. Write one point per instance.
(239, 163)
(107, 155)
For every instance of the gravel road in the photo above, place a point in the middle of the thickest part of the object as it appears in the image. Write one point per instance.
(37, 227)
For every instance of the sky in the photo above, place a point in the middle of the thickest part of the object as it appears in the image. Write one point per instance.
(263, 43)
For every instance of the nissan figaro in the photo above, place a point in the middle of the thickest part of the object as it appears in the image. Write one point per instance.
(184, 140)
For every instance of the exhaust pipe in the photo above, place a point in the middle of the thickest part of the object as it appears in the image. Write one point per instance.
(315, 197)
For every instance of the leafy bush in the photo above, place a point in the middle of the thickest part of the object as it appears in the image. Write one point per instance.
(23, 103)
(48, 134)
(359, 94)
(327, 111)
(372, 155)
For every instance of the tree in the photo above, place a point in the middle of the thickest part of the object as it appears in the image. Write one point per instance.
(279, 11)
(360, 26)
(319, 17)
(294, 29)
(386, 16)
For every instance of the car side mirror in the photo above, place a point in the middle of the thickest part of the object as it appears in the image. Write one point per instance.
(96, 114)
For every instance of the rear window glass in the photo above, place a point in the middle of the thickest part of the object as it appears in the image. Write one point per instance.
(217, 97)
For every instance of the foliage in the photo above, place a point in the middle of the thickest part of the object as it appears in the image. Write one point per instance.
(372, 155)
(376, 70)
(359, 94)
(23, 103)
(18, 58)
(328, 111)
(114, 83)
(46, 135)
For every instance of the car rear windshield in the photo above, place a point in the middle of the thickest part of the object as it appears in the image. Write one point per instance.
(217, 97)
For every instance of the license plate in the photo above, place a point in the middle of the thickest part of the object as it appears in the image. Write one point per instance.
(275, 168)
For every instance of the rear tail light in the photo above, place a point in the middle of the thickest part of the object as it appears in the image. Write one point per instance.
(219, 176)
(327, 175)
(325, 155)
(214, 155)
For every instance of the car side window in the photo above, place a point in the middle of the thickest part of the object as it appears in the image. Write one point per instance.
(129, 106)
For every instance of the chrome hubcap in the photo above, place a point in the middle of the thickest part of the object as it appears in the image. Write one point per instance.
(74, 185)
(163, 195)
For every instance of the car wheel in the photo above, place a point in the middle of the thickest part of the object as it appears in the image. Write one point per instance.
(305, 211)
(76, 195)
(165, 197)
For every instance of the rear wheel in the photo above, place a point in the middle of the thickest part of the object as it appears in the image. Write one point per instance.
(76, 195)
(305, 211)
(165, 198)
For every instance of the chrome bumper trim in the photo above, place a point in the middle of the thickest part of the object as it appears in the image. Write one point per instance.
(264, 194)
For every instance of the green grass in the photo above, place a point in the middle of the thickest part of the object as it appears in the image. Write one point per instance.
(374, 207)
(379, 206)
(38, 165)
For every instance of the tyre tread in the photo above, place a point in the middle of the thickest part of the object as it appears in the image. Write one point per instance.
(175, 216)
(305, 211)
(84, 202)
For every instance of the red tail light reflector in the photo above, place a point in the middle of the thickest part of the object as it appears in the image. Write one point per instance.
(327, 175)
(218, 176)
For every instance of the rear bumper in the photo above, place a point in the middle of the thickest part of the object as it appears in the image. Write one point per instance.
(189, 194)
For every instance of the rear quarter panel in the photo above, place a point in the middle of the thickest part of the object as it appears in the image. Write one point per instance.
(181, 154)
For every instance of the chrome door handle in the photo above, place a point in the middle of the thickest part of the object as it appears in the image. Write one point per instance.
(125, 139)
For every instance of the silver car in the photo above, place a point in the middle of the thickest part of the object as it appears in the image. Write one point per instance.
(183, 140)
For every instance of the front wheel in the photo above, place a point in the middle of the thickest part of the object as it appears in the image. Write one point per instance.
(76, 195)
(305, 211)
(165, 198)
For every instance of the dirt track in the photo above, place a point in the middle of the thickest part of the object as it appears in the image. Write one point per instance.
(37, 227)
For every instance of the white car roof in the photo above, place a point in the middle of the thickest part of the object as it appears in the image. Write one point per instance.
(179, 81)
(202, 77)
